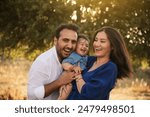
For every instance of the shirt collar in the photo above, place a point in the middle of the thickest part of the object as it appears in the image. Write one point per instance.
(56, 55)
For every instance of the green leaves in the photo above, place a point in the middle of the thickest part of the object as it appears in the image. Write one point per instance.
(31, 23)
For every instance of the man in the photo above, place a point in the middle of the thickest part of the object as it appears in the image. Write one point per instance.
(45, 76)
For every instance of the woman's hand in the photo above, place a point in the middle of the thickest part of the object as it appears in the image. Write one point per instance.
(77, 70)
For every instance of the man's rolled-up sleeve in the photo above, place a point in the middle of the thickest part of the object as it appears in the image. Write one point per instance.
(37, 79)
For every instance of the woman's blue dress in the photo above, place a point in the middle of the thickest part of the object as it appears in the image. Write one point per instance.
(99, 82)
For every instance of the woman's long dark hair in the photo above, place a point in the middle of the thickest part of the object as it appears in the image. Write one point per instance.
(119, 54)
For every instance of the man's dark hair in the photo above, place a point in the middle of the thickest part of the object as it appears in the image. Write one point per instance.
(69, 26)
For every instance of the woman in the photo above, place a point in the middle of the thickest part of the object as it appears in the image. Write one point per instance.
(111, 62)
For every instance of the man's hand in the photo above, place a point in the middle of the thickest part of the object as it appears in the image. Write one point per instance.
(66, 77)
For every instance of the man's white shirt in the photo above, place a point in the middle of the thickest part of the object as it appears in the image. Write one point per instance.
(45, 69)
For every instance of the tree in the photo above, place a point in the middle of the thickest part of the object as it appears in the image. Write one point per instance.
(30, 23)
(131, 17)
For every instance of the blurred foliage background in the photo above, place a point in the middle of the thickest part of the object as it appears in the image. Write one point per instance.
(26, 26)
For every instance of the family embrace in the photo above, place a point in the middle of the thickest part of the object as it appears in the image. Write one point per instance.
(67, 72)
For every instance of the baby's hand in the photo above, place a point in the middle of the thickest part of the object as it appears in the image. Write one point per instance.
(65, 91)
(67, 66)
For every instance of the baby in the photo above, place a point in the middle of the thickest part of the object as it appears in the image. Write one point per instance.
(75, 62)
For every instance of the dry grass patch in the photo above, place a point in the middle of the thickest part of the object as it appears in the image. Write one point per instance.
(13, 79)
(13, 83)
